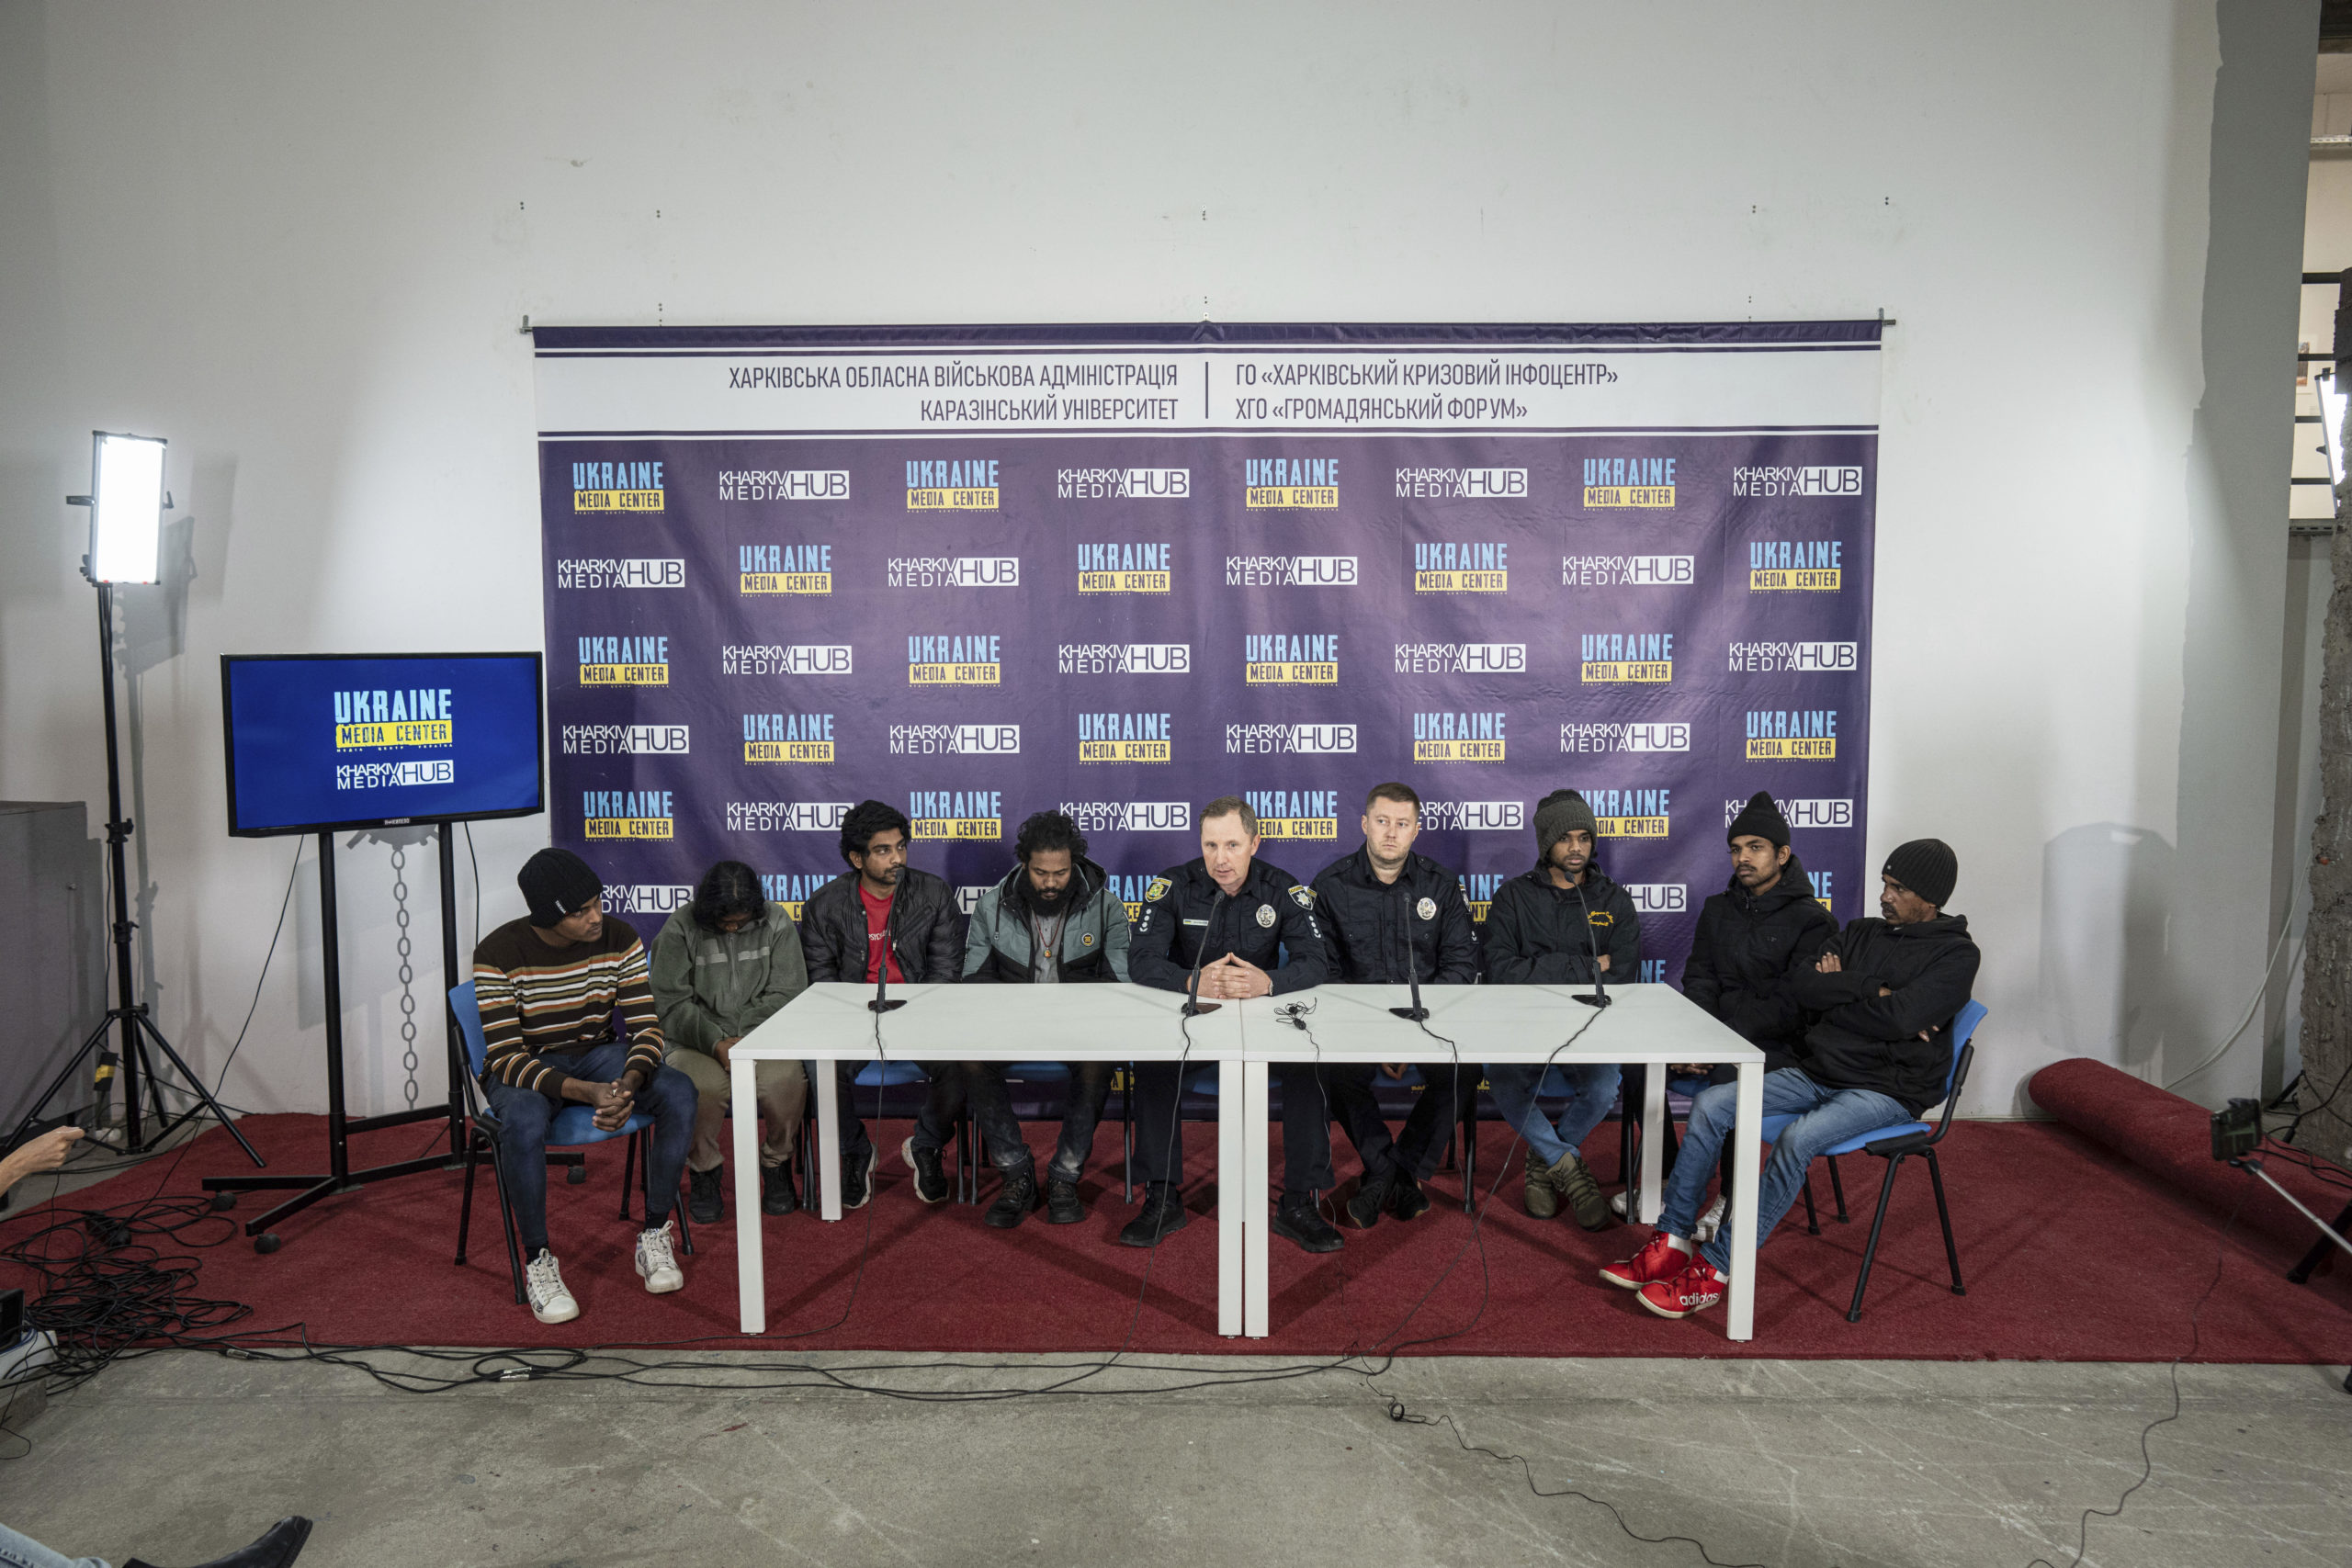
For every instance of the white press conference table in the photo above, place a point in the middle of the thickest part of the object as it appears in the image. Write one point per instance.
(1652, 1024)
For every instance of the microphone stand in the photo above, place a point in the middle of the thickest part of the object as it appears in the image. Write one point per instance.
(883, 1000)
(1599, 997)
(1416, 1013)
(1193, 1006)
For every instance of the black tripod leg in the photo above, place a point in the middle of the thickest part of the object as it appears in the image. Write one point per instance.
(195, 1086)
(2301, 1272)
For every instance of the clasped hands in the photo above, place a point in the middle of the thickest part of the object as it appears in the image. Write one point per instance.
(1231, 978)
(613, 1101)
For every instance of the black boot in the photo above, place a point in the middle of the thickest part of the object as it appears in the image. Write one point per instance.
(1020, 1196)
(704, 1194)
(1406, 1199)
(278, 1548)
(1163, 1215)
(1063, 1205)
(777, 1194)
(1296, 1219)
(1372, 1196)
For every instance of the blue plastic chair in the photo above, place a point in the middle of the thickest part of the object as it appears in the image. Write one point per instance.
(574, 1127)
(1894, 1144)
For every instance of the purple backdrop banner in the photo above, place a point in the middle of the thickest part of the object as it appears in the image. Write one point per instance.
(978, 572)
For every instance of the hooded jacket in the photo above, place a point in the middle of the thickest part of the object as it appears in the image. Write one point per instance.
(924, 928)
(1538, 934)
(710, 986)
(997, 944)
(1860, 1039)
(1748, 948)
(1185, 920)
(1365, 921)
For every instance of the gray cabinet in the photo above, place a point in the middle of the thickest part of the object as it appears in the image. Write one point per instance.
(52, 951)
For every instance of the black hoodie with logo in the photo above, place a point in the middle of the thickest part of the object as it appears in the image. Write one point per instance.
(1538, 934)
(1749, 947)
(1860, 1039)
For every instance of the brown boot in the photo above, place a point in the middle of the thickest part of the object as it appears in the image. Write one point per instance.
(1572, 1179)
(1542, 1197)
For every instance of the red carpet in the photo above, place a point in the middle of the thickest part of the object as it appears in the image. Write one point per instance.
(2071, 1254)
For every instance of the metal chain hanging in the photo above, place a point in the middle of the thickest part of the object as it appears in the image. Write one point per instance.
(408, 973)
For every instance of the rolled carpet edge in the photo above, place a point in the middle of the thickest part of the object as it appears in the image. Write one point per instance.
(2170, 1137)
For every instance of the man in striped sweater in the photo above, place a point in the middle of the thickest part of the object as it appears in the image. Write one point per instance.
(548, 988)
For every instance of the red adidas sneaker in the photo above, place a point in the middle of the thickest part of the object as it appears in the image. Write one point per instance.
(1698, 1287)
(1661, 1259)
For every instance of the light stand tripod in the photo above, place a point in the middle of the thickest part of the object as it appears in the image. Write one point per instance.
(132, 1017)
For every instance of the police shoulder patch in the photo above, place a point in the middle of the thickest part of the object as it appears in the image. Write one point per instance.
(1156, 890)
(1302, 897)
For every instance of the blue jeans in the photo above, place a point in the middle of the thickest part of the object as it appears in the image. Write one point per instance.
(1592, 1090)
(1823, 1117)
(23, 1552)
(524, 1115)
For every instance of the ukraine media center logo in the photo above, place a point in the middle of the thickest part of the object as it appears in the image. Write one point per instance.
(372, 720)
(616, 487)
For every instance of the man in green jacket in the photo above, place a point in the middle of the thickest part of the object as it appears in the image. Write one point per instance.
(721, 968)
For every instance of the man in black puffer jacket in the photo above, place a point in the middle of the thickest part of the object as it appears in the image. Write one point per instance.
(1754, 938)
(880, 912)
(1052, 921)
(1384, 907)
(1881, 995)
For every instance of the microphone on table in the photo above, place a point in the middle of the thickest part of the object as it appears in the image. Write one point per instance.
(883, 1000)
(1599, 997)
(1416, 1013)
(1193, 1006)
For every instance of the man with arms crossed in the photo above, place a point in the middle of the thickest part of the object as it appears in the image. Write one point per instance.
(1559, 925)
(1881, 995)
(1390, 916)
(1754, 939)
(1228, 912)
(722, 966)
(547, 986)
(1052, 921)
(883, 912)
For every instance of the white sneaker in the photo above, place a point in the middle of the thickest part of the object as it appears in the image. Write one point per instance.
(1708, 1222)
(657, 1263)
(1617, 1205)
(543, 1285)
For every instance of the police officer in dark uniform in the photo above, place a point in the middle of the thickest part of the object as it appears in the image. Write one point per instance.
(1230, 916)
(1392, 916)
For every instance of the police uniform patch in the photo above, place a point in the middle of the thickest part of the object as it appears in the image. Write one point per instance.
(1266, 916)
(1302, 897)
(1426, 909)
(1156, 890)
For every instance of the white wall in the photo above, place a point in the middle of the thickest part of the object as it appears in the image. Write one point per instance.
(299, 240)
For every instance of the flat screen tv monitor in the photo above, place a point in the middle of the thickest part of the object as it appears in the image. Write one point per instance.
(325, 741)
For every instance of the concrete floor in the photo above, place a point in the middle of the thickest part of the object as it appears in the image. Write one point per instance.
(180, 1455)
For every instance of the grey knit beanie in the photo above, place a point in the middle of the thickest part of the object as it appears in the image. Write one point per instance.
(1557, 815)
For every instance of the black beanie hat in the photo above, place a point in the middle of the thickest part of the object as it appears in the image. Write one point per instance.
(1927, 867)
(1760, 819)
(557, 882)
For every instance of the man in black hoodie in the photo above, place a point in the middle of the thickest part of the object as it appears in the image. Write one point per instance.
(1391, 916)
(1880, 997)
(1560, 925)
(883, 912)
(1052, 921)
(1753, 939)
